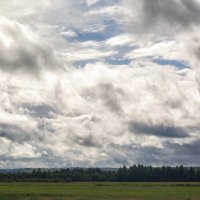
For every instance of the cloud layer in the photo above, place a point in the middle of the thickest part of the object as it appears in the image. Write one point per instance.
(82, 84)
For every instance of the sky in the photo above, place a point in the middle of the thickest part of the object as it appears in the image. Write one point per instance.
(99, 83)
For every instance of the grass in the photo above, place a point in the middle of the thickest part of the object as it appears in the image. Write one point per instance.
(97, 191)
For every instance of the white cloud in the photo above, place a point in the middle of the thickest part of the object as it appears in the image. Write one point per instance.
(165, 49)
(88, 54)
(178, 20)
(120, 40)
(92, 2)
(90, 112)
(100, 114)
(68, 33)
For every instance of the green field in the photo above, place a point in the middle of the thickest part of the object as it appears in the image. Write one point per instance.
(104, 191)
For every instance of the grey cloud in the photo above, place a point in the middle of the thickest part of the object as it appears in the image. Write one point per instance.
(149, 155)
(40, 111)
(186, 153)
(18, 134)
(181, 12)
(186, 149)
(160, 130)
(170, 154)
(135, 153)
(87, 141)
(120, 161)
(21, 50)
(46, 126)
(109, 94)
(84, 140)
(173, 153)
(13, 133)
(174, 14)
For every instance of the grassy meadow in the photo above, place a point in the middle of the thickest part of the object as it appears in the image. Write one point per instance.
(97, 191)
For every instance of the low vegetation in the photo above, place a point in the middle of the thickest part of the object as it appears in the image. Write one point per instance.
(100, 191)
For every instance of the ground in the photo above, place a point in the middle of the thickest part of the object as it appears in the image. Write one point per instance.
(97, 191)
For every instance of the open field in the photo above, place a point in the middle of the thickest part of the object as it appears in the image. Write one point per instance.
(103, 191)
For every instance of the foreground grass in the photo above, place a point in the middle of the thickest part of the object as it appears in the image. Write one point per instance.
(97, 191)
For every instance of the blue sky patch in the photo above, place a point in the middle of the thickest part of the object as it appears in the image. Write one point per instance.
(177, 63)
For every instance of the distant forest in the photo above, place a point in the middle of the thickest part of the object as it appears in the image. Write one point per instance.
(135, 173)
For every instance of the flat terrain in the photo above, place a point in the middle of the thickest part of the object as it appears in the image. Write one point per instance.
(103, 191)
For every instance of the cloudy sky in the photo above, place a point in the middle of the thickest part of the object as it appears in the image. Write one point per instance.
(99, 83)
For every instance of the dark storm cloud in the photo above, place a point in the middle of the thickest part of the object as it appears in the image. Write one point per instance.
(158, 130)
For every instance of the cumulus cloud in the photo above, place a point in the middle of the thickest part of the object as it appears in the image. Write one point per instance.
(22, 50)
(93, 119)
(16, 133)
(160, 16)
(178, 20)
(106, 92)
(98, 113)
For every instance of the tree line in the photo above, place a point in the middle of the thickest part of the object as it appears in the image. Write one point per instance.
(135, 173)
